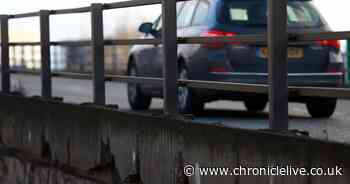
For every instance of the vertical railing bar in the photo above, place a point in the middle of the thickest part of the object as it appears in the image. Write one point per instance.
(170, 67)
(99, 91)
(32, 54)
(12, 54)
(5, 60)
(46, 83)
(278, 80)
(347, 76)
(22, 61)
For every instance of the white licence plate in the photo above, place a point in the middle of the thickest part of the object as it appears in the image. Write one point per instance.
(293, 52)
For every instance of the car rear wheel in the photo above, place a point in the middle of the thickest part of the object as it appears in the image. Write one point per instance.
(255, 104)
(189, 103)
(137, 100)
(321, 107)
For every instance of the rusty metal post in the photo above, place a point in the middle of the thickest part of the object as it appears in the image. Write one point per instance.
(278, 73)
(170, 73)
(99, 88)
(5, 60)
(46, 83)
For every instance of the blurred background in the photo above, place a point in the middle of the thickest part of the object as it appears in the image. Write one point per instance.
(118, 24)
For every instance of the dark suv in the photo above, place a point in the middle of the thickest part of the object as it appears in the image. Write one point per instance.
(316, 63)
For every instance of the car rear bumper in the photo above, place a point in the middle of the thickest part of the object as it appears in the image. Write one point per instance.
(294, 79)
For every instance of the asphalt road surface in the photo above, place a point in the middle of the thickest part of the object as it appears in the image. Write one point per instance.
(226, 113)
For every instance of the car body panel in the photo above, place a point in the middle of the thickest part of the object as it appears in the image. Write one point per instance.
(243, 62)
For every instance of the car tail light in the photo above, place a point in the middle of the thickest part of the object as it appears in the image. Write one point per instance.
(218, 70)
(335, 70)
(329, 43)
(218, 33)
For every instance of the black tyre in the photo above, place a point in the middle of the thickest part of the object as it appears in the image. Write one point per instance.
(188, 102)
(321, 107)
(137, 100)
(256, 104)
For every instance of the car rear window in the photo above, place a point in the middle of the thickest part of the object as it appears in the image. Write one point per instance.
(254, 13)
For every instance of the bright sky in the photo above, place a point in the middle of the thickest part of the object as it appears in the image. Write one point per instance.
(336, 12)
(67, 27)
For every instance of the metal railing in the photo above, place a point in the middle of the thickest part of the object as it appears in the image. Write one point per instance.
(277, 39)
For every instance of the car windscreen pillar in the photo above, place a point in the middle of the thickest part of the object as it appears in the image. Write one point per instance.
(278, 72)
(5, 60)
(170, 68)
(46, 82)
(97, 44)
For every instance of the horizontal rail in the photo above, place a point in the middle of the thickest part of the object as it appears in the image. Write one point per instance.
(107, 6)
(157, 41)
(71, 43)
(342, 93)
(225, 86)
(59, 43)
(24, 15)
(341, 35)
(24, 44)
(25, 72)
(223, 39)
(133, 42)
(88, 43)
(138, 80)
(71, 11)
(253, 38)
(131, 3)
(70, 75)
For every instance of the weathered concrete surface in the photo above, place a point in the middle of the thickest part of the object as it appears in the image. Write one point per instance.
(20, 168)
(131, 147)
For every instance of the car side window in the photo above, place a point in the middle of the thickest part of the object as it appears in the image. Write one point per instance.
(185, 16)
(158, 23)
(201, 14)
(179, 6)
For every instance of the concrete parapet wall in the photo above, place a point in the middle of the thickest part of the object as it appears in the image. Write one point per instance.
(131, 147)
(17, 167)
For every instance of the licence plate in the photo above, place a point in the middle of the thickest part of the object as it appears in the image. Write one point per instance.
(293, 52)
